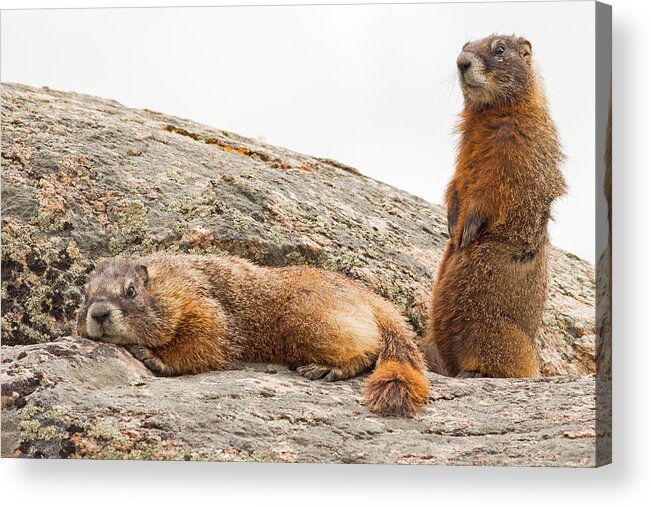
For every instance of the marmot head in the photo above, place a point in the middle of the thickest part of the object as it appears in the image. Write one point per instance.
(118, 307)
(496, 71)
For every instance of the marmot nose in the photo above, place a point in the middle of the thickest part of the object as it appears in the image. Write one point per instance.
(463, 63)
(100, 312)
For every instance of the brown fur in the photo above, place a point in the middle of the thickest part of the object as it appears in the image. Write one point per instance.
(189, 314)
(488, 300)
(396, 388)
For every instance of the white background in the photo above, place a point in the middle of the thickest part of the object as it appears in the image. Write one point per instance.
(626, 482)
(371, 86)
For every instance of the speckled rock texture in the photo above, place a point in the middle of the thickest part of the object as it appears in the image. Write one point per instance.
(73, 398)
(85, 178)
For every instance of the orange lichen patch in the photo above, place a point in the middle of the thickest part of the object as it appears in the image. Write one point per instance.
(73, 171)
(584, 433)
(214, 142)
(242, 150)
(280, 165)
(198, 237)
(51, 204)
(306, 168)
(9, 399)
(11, 226)
(230, 148)
(19, 154)
(180, 131)
(72, 181)
(277, 213)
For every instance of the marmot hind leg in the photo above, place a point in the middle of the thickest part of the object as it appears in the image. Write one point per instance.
(345, 345)
(433, 357)
(315, 371)
(505, 352)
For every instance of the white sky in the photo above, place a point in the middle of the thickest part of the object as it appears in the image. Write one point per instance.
(372, 86)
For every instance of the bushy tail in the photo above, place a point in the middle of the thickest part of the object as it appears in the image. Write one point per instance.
(397, 386)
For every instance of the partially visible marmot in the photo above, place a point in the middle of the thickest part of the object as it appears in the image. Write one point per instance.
(188, 314)
(488, 300)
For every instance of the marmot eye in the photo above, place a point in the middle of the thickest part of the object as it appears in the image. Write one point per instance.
(499, 49)
(131, 292)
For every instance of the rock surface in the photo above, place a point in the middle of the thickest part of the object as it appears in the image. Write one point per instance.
(73, 398)
(86, 178)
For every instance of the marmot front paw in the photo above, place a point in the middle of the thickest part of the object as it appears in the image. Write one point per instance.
(148, 357)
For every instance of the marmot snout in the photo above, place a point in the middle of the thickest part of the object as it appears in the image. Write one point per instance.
(495, 70)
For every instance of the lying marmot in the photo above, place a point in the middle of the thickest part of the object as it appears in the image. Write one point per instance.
(188, 314)
(488, 300)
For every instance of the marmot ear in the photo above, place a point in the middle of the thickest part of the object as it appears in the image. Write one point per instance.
(525, 49)
(141, 269)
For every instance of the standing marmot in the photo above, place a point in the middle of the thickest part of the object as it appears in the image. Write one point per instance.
(188, 314)
(488, 299)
